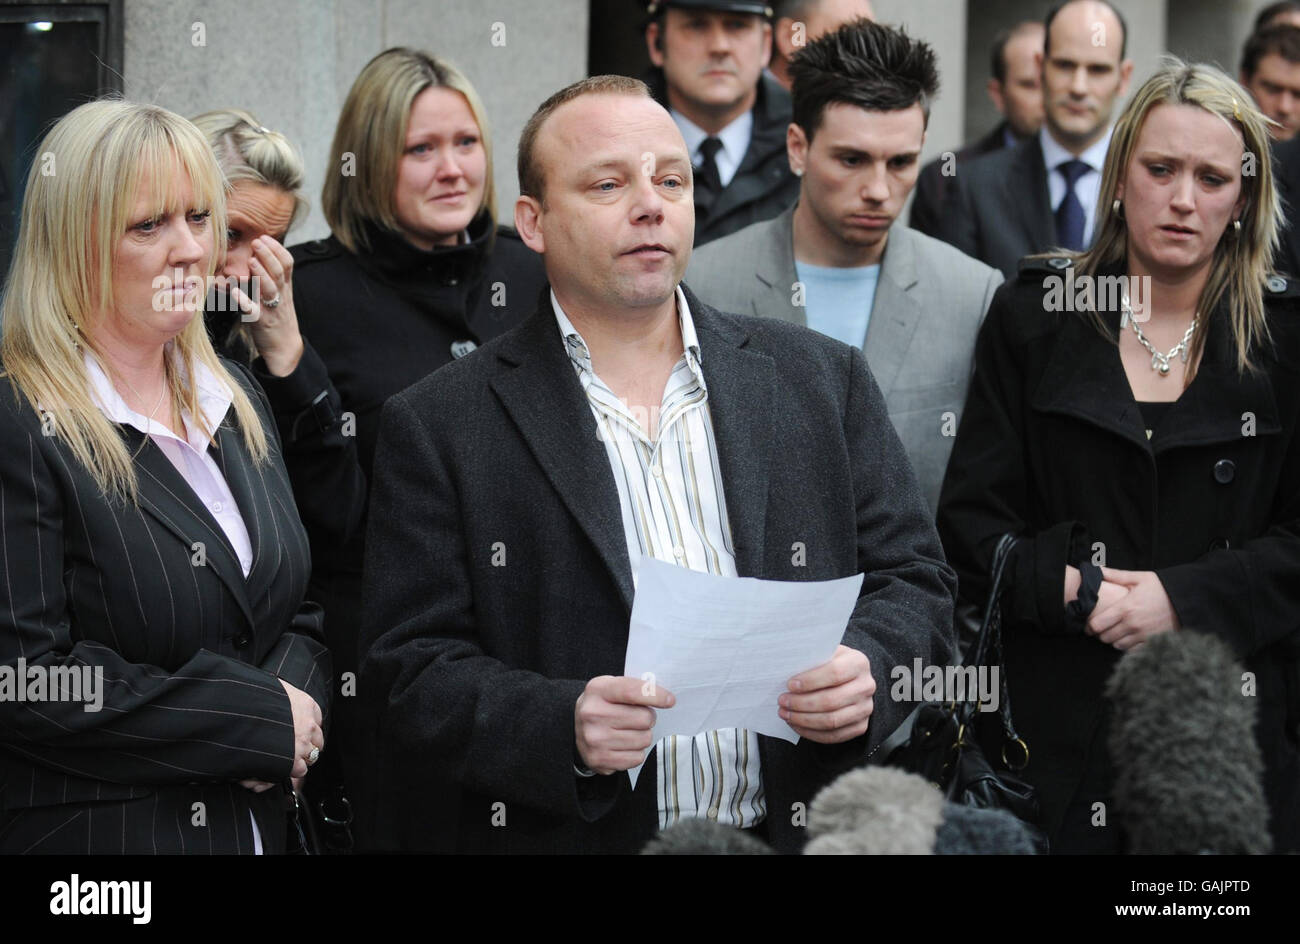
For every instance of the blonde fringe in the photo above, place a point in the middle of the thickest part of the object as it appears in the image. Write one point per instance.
(71, 222)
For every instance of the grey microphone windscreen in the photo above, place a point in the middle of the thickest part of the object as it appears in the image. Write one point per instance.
(875, 811)
(704, 837)
(1188, 769)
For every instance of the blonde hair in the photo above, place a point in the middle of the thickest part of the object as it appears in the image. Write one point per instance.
(61, 277)
(1242, 260)
(246, 150)
(371, 137)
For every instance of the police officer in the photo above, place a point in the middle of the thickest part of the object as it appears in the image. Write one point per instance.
(710, 57)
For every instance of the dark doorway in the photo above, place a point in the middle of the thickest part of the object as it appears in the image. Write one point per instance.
(53, 57)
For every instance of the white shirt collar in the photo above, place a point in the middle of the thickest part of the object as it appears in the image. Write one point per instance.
(214, 400)
(1054, 154)
(578, 349)
(734, 138)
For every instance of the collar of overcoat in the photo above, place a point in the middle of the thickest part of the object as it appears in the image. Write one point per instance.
(1085, 378)
(541, 392)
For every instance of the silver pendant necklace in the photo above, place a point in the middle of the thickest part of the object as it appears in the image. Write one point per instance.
(1160, 362)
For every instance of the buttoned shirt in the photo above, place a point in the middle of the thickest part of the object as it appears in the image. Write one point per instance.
(671, 496)
(1087, 187)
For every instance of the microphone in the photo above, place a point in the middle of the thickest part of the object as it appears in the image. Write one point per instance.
(1188, 768)
(875, 811)
(704, 837)
(887, 811)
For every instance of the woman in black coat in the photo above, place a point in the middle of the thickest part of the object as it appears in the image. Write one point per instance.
(415, 274)
(252, 319)
(1160, 443)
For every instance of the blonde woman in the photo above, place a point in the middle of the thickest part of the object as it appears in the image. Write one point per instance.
(252, 318)
(415, 273)
(1143, 445)
(264, 178)
(154, 565)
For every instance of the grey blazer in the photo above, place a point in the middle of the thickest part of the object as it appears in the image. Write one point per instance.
(920, 341)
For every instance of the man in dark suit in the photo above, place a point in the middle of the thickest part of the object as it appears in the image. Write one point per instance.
(709, 57)
(1043, 192)
(519, 488)
(1016, 89)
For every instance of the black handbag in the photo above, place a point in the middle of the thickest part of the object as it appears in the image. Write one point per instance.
(947, 741)
(320, 825)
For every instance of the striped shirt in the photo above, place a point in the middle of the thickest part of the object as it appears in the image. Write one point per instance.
(671, 495)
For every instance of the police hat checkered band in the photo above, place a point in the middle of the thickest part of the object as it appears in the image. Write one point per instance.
(722, 6)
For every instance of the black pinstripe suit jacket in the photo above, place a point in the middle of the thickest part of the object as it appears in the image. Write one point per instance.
(190, 650)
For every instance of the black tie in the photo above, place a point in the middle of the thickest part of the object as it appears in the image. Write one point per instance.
(708, 182)
(1070, 218)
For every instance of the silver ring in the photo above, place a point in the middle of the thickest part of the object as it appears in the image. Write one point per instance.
(272, 302)
(313, 756)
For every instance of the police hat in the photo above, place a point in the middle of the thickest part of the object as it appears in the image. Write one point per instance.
(723, 6)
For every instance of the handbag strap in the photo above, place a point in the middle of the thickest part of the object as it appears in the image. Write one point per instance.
(991, 623)
(988, 652)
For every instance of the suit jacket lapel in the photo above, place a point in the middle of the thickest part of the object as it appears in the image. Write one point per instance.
(895, 314)
(767, 133)
(261, 518)
(544, 398)
(164, 494)
(742, 391)
(1028, 192)
(775, 269)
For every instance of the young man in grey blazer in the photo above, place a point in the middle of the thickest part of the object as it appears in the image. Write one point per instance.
(517, 490)
(840, 261)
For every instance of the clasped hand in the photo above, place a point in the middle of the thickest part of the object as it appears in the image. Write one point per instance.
(1132, 606)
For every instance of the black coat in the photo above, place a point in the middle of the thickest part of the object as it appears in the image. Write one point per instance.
(475, 668)
(931, 198)
(1052, 447)
(764, 186)
(190, 650)
(319, 454)
(999, 207)
(1286, 165)
(379, 322)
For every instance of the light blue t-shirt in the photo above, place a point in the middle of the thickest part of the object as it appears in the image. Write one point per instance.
(838, 302)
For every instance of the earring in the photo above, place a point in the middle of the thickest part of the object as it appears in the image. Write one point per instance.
(1117, 208)
(798, 171)
(1236, 227)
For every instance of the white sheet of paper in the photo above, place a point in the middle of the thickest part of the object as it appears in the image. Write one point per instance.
(727, 647)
